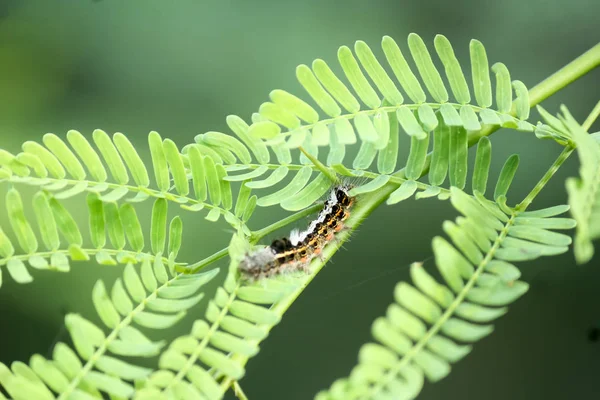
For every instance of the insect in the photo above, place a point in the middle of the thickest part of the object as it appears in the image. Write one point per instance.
(296, 253)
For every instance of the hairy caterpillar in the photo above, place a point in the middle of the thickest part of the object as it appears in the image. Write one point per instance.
(296, 253)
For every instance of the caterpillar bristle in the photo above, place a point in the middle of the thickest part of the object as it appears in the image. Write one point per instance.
(295, 253)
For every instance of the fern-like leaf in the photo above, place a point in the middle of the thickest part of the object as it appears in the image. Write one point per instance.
(151, 298)
(238, 317)
(584, 191)
(120, 223)
(419, 336)
(287, 122)
(59, 170)
(329, 92)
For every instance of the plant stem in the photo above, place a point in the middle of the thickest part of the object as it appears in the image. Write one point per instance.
(562, 157)
(587, 124)
(566, 75)
(319, 165)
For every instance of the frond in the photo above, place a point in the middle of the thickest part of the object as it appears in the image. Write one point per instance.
(60, 170)
(61, 238)
(358, 111)
(151, 298)
(301, 123)
(584, 191)
(431, 325)
(204, 363)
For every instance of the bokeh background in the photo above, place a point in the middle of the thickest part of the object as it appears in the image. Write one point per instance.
(181, 67)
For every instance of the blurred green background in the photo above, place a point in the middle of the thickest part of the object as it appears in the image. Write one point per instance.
(181, 67)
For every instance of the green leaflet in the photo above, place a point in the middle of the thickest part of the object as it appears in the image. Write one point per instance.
(441, 153)
(483, 159)
(335, 86)
(47, 226)
(51, 163)
(295, 105)
(337, 150)
(522, 102)
(469, 119)
(481, 76)
(320, 135)
(217, 139)
(20, 225)
(366, 155)
(32, 161)
(132, 159)
(377, 73)
(225, 187)
(112, 219)
(159, 161)
(405, 76)
(503, 88)
(388, 156)
(344, 131)
(381, 123)
(242, 200)
(416, 157)
(459, 146)
(198, 176)
(275, 113)
(371, 186)
(357, 79)
(158, 228)
(299, 181)
(427, 117)
(450, 115)
(111, 156)
(364, 127)
(175, 235)
(275, 177)
(308, 80)
(431, 77)
(506, 176)
(409, 123)
(212, 180)
(264, 130)
(407, 189)
(249, 175)
(132, 227)
(63, 153)
(176, 166)
(240, 128)
(308, 195)
(96, 220)
(454, 72)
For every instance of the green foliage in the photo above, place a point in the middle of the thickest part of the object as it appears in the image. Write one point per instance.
(417, 339)
(150, 298)
(584, 192)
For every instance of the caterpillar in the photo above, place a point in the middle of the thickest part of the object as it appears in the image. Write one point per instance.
(296, 252)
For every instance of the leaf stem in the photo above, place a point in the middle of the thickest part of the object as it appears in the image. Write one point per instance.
(566, 75)
(591, 118)
(319, 165)
(562, 157)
